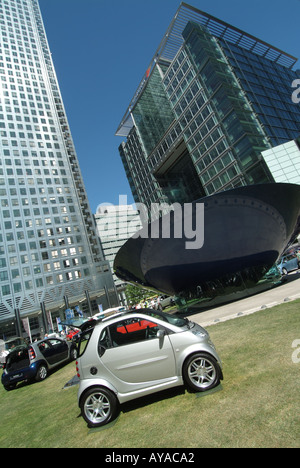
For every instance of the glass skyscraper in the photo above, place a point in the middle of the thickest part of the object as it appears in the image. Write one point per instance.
(212, 100)
(50, 255)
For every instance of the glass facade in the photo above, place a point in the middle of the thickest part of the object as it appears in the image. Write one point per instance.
(268, 87)
(229, 99)
(48, 247)
(284, 162)
(228, 139)
(152, 114)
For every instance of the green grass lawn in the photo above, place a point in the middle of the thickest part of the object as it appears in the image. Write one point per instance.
(258, 405)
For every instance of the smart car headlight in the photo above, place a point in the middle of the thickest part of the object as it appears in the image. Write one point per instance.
(199, 333)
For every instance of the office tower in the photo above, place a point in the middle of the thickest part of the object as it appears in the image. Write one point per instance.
(211, 101)
(50, 255)
(115, 225)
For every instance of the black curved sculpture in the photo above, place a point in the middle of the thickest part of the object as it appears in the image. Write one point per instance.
(246, 229)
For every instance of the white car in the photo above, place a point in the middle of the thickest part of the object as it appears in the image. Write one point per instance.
(9, 345)
(134, 354)
(108, 312)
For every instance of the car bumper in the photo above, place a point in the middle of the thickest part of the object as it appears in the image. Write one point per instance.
(20, 375)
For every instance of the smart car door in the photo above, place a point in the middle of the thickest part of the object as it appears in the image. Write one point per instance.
(46, 351)
(54, 351)
(139, 351)
(59, 350)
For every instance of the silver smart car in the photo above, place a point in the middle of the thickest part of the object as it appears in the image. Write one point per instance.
(134, 354)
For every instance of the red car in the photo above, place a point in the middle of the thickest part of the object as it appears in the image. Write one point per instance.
(71, 334)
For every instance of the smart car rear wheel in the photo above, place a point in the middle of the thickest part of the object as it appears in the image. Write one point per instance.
(98, 406)
(41, 373)
(201, 372)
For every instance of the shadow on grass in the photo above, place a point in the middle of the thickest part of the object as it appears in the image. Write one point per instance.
(153, 398)
(145, 401)
(141, 402)
(164, 395)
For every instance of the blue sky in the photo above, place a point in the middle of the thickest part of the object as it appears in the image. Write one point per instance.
(101, 50)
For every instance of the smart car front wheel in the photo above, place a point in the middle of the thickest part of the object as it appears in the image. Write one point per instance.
(98, 406)
(201, 372)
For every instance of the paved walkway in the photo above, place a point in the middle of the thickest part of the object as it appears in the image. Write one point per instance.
(288, 291)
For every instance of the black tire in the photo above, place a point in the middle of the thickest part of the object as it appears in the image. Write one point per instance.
(99, 406)
(201, 372)
(42, 373)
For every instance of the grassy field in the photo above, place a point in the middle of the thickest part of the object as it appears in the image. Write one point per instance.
(258, 405)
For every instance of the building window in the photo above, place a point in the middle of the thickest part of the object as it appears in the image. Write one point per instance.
(5, 290)
(17, 288)
(3, 276)
(39, 283)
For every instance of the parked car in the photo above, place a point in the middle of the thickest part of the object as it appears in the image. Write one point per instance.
(134, 354)
(288, 263)
(165, 301)
(108, 312)
(72, 334)
(34, 362)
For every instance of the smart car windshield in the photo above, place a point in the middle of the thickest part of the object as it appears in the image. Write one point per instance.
(172, 319)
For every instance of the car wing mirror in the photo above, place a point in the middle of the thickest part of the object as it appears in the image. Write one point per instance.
(101, 350)
(160, 335)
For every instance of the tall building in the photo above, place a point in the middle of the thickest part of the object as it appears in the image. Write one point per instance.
(115, 225)
(211, 101)
(50, 255)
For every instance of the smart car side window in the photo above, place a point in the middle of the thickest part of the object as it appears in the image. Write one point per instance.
(58, 344)
(104, 341)
(132, 331)
(43, 346)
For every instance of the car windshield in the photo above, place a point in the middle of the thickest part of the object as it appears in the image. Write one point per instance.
(172, 319)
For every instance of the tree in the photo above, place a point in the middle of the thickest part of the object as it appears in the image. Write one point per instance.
(135, 294)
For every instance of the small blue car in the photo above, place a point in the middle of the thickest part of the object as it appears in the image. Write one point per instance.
(288, 263)
(33, 362)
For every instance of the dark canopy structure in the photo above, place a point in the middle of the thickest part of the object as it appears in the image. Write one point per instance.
(245, 230)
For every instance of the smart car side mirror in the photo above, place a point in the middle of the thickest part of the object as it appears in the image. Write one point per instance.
(160, 335)
(101, 350)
